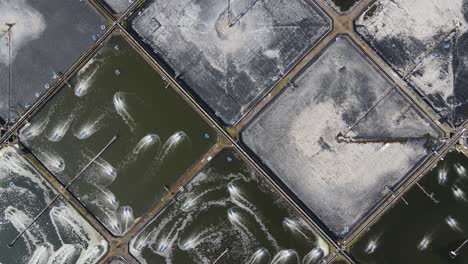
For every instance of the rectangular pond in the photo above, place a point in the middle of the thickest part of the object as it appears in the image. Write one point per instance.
(159, 135)
(230, 53)
(341, 136)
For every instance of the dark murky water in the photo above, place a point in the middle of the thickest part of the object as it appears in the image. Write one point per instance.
(423, 231)
(345, 5)
(229, 214)
(159, 135)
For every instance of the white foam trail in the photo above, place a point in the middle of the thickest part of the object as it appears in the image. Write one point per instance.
(107, 199)
(236, 219)
(41, 254)
(139, 243)
(113, 223)
(126, 217)
(442, 175)
(172, 142)
(314, 256)
(425, 242)
(67, 253)
(88, 129)
(144, 145)
(92, 61)
(54, 163)
(107, 169)
(20, 221)
(192, 241)
(243, 203)
(372, 245)
(259, 255)
(33, 130)
(458, 193)
(146, 142)
(293, 226)
(460, 169)
(84, 84)
(284, 255)
(189, 203)
(122, 109)
(323, 245)
(60, 130)
(68, 226)
(192, 201)
(93, 254)
(168, 240)
(453, 223)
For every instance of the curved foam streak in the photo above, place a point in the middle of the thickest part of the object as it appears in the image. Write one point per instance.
(442, 175)
(146, 142)
(159, 245)
(284, 255)
(425, 242)
(169, 239)
(372, 245)
(33, 130)
(66, 219)
(139, 243)
(54, 163)
(143, 146)
(93, 254)
(193, 241)
(122, 109)
(460, 169)
(107, 169)
(172, 142)
(59, 131)
(41, 254)
(236, 219)
(89, 129)
(126, 217)
(112, 223)
(20, 221)
(67, 253)
(458, 193)
(107, 199)
(154, 234)
(84, 84)
(191, 202)
(92, 61)
(453, 223)
(243, 203)
(314, 256)
(293, 226)
(323, 245)
(259, 255)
